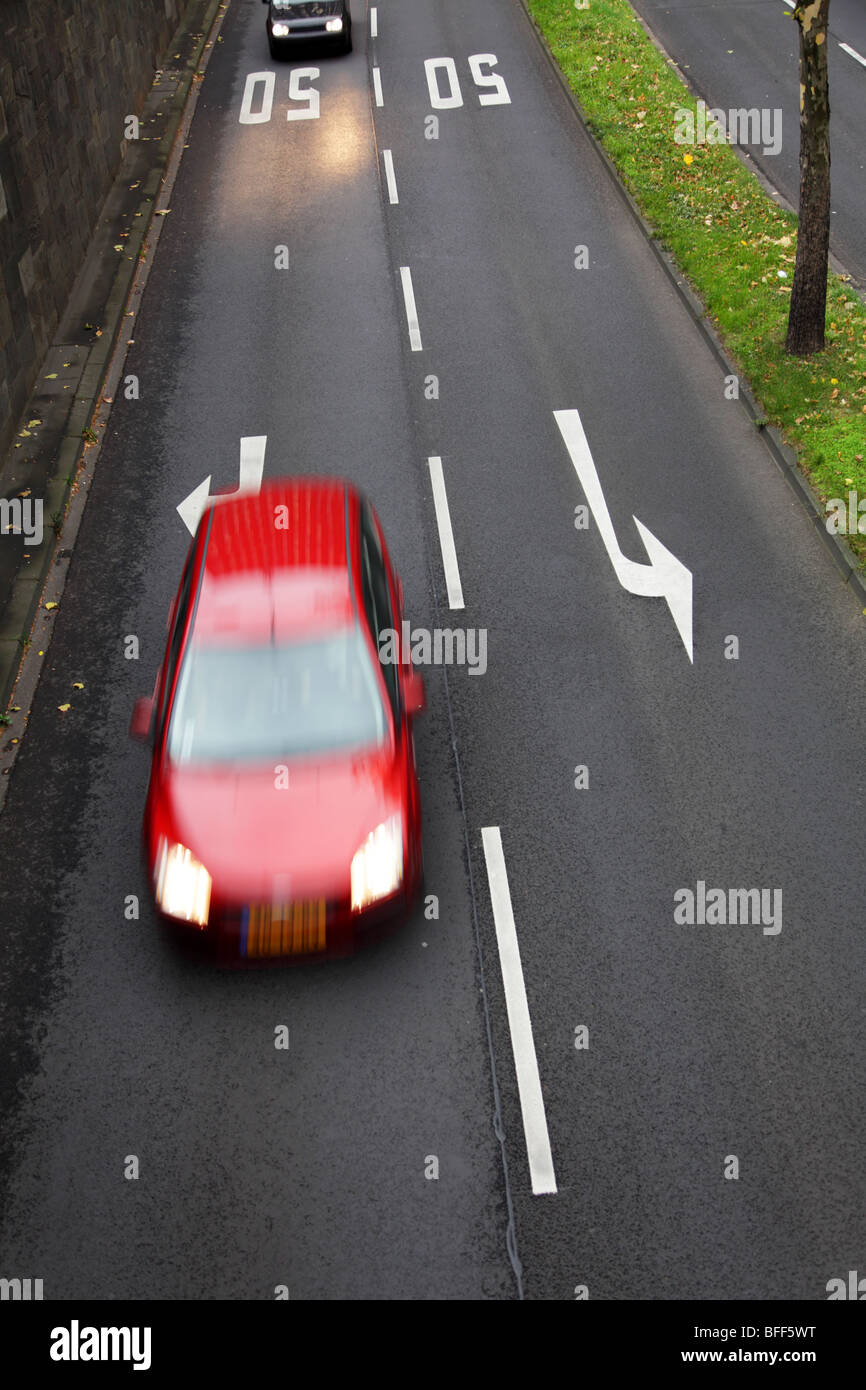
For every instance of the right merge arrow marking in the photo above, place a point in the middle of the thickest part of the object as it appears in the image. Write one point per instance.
(665, 576)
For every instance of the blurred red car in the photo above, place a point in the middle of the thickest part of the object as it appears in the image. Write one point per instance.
(283, 812)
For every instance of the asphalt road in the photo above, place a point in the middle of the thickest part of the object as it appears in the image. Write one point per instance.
(746, 55)
(306, 1168)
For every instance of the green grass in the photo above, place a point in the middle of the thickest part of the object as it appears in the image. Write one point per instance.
(727, 235)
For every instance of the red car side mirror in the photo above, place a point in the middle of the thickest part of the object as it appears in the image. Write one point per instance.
(142, 718)
(414, 694)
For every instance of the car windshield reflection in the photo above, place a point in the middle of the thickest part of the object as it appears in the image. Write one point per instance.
(247, 703)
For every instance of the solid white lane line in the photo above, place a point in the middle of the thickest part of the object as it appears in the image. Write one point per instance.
(389, 176)
(377, 87)
(411, 311)
(853, 52)
(446, 535)
(528, 1082)
(374, 22)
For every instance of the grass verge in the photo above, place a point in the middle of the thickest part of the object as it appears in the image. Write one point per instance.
(734, 244)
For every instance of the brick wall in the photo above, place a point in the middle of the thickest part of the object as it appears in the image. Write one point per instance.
(70, 71)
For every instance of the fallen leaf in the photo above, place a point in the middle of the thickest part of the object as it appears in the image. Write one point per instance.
(78, 685)
(51, 605)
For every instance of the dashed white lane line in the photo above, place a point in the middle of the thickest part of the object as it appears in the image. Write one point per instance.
(528, 1082)
(411, 311)
(389, 176)
(377, 87)
(853, 52)
(446, 535)
(374, 22)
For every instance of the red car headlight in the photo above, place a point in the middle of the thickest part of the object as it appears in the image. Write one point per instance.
(377, 867)
(181, 884)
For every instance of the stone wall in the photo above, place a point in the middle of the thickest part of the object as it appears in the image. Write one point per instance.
(70, 71)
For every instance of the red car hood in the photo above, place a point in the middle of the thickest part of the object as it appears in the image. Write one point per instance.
(262, 841)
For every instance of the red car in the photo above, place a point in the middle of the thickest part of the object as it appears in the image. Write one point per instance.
(283, 813)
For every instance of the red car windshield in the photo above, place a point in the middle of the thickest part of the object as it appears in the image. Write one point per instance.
(249, 703)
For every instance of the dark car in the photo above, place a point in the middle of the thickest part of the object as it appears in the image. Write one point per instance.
(295, 22)
(283, 816)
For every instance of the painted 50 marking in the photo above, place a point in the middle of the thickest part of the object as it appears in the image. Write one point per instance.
(446, 101)
(297, 92)
(258, 99)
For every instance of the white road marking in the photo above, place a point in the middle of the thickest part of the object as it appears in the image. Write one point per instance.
(446, 535)
(432, 67)
(519, 1022)
(374, 22)
(191, 508)
(477, 62)
(665, 576)
(389, 176)
(853, 52)
(247, 115)
(377, 87)
(251, 468)
(252, 464)
(311, 111)
(411, 311)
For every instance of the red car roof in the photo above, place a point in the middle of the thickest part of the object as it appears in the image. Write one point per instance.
(275, 562)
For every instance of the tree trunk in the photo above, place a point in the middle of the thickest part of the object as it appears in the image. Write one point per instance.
(809, 293)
